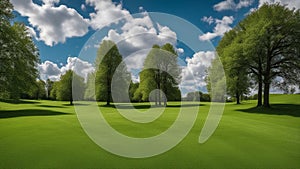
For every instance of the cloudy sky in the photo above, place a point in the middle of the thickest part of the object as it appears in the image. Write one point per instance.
(64, 30)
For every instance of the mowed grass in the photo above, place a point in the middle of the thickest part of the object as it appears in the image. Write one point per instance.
(47, 134)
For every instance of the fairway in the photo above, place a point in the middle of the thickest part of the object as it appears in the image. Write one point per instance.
(47, 134)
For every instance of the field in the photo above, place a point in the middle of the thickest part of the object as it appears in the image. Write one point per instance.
(47, 134)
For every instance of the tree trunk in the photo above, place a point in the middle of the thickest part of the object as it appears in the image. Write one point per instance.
(259, 94)
(260, 84)
(266, 95)
(108, 92)
(237, 96)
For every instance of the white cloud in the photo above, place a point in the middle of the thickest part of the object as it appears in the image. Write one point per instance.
(193, 75)
(106, 13)
(231, 5)
(209, 20)
(50, 2)
(289, 3)
(180, 50)
(83, 7)
(138, 35)
(80, 67)
(54, 24)
(31, 32)
(222, 26)
(50, 70)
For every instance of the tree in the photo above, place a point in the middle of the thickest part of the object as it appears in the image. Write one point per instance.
(107, 61)
(89, 93)
(230, 51)
(38, 91)
(18, 56)
(270, 46)
(160, 72)
(132, 90)
(67, 82)
(49, 87)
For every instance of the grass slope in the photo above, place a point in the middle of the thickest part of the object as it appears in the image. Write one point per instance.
(47, 134)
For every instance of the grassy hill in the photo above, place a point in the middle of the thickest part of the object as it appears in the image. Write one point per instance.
(47, 134)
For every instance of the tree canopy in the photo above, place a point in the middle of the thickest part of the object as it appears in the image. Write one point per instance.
(263, 46)
(18, 56)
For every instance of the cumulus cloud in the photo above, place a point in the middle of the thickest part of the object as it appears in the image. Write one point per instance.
(222, 26)
(231, 5)
(194, 73)
(80, 67)
(138, 35)
(289, 3)
(106, 13)
(54, 24)
(50, 70)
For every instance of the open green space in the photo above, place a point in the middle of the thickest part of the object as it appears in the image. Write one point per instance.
(47, 134)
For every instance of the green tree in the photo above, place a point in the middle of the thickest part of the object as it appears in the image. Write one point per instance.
(270, 47)
(38, 90)
(107, 61)
(230, 51)
(49, 87)
(18, 56)
(161, 72)
(71, 87)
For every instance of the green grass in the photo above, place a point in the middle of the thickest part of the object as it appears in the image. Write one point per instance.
(47, 134)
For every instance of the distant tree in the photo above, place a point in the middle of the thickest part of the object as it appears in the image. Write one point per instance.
(197, 96)
(18, 56)
(230, 52)
(38, 90)
(161, 72)
(66, 84)
(53, 92)
(89, 93)
(49, 87)
(132, 90)
(107, 61)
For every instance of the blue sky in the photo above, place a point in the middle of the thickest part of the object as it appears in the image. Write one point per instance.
(68, 31)
(192, 11)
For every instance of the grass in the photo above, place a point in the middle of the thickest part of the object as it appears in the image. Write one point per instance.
(47, 134)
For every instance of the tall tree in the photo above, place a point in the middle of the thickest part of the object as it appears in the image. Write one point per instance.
(107, 61)
(231, 54)
(270, 46)
(273, 41)
(67, 82)
(161, 72)
(18, 56)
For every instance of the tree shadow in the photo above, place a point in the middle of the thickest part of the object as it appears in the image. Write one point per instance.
(29, 112)
(143, 106)
(50, 106)
(19, 101)
(276, 109)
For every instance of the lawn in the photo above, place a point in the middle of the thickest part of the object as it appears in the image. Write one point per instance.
(47, 134)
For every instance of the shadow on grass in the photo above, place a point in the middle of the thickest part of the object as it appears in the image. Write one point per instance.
(127, 106)
(19, 101)
(276, 109)
(28, 112)
(50, 106)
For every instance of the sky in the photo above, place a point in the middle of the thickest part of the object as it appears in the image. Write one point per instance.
(68, 32)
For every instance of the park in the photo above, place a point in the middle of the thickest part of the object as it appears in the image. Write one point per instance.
(41, 123)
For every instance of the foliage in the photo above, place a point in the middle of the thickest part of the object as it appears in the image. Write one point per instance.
(71, 87)
(265, 45)
(160, 72)
(18, 56)
(109, 65)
